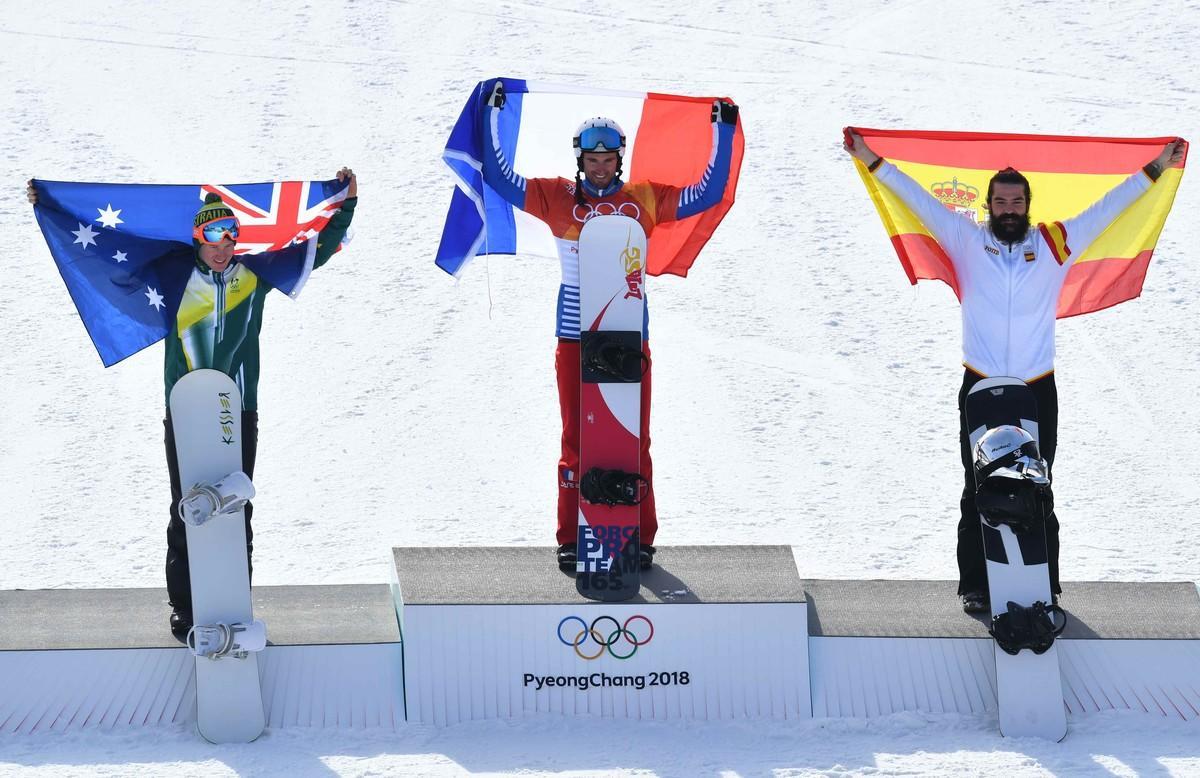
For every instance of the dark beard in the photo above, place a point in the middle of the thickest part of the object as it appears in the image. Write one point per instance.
(1010, 228)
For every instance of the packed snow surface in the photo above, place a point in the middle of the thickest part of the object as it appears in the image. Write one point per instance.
(804, 392)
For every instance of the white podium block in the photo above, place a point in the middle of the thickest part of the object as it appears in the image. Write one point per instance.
(716, 632)
(80, 659)
(881, 647)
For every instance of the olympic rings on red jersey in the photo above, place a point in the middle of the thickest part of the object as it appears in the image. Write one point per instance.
(621, 637)
(586, 211)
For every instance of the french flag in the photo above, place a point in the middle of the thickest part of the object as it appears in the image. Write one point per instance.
(668, 140)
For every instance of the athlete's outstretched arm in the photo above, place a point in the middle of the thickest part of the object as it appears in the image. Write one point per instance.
(947, 227)
(497, 170)
(1081, 231)
(709, 190)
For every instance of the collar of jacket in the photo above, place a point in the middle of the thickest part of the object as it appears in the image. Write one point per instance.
(612, 188)
(1026, 242)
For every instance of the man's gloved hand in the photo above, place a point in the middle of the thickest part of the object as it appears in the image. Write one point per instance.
(724, 112)
(496, 98)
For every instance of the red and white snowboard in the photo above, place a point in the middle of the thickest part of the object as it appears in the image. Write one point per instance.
(612, 261)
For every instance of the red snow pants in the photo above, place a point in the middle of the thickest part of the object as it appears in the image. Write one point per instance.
(566, 365)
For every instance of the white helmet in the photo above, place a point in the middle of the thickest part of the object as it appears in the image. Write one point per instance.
(1010, 452)
(599, 134)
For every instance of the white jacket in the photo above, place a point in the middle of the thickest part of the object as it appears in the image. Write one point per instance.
(1010, 294)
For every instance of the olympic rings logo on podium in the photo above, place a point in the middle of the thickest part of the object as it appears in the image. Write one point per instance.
(621, 641)
(583, 213)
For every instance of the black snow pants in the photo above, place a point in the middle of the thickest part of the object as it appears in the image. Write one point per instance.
(972, 566)
(179, 584)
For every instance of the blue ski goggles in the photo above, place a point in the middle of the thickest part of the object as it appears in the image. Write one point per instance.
(600, 139)
(217, 230)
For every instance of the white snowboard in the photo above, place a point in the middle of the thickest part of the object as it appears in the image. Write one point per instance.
(1029, 690)
(206, 412)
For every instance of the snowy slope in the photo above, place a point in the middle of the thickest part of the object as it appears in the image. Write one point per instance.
(804, 393)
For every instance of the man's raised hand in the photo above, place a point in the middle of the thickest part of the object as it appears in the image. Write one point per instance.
(496, 98)
(724, 112)
(344, 174)
(1172, 154)
(856, 147)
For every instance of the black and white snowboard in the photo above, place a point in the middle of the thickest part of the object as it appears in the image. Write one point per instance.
(1028, 685)
(612, 251)
(206, 412)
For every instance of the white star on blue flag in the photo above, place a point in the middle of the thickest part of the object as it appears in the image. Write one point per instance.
(109, 218)
(85, 235)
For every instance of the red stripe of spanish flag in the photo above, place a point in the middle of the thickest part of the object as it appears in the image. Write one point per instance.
(1027, 153)
(1066, 175)
(1055, 235)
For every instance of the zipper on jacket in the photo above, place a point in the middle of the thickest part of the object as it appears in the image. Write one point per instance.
(1008, 319)
(219, 282)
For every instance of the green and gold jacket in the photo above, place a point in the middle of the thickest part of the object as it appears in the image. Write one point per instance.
(220, 316)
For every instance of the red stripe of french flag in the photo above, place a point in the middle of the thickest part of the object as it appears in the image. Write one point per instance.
(673, 140)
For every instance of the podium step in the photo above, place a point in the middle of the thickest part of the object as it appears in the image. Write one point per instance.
(1096, 610)
(57, 619)
(510, 575)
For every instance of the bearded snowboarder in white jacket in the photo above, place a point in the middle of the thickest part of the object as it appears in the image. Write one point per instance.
(1010, 276)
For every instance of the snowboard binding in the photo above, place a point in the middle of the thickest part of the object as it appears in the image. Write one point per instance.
(1034, 627)
(1013, 481)
(207, 501)
(1019, 503)
(220, 640)
(613, 487)
(614, 359)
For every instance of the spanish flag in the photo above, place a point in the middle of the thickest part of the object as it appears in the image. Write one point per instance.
(1066, 174)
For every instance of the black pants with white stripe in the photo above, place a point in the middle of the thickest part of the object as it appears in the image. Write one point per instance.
(972, 568)
(179, 582)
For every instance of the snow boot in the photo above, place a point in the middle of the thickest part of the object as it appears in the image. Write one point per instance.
(975, 602)
(567, 556)
(181, 624)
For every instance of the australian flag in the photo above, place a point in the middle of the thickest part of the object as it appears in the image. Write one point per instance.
(125, 250)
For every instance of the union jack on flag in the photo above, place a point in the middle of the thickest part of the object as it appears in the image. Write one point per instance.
(277, 215)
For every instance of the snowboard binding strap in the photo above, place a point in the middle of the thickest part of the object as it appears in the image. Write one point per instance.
(220, 640)
(613, 487)
(207, 501)
(614, 359)
(1021, 504)
(1034, 627)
